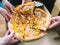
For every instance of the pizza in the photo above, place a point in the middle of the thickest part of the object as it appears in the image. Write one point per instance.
(29, 23)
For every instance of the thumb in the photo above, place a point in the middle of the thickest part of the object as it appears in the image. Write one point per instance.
(53, 18)
(11, 35)
(6, 39)
(53, 25)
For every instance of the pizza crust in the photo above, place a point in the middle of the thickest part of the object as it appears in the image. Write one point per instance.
(26, 4)
(35, 37)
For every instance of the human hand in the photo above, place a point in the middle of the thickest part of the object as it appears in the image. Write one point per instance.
(55, 21)
(8, 39)
(8, 6)
(25, 1)
(5, 14)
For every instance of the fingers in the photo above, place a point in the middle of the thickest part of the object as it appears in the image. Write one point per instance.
(9, 7)
(53, 24)
(6, 17)
(12, 34)
(7, 33)
(13, 9)
(9, 38)
(5, 14)
(55, 18)
(14, 40)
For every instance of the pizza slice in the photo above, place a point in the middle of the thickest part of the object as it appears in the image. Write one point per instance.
(43, 19)
(26, 9)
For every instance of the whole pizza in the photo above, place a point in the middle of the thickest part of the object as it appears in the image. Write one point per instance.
(29, 23)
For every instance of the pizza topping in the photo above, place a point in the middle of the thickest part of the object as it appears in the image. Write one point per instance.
(36, 33)
(29, 18)
(26, 34)
(27, 11)
(31, 23)
(37, 14)
(22, 16)
(25, 7)
(35, 22)
(42, 15)
(15, 27)
(24, 25)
